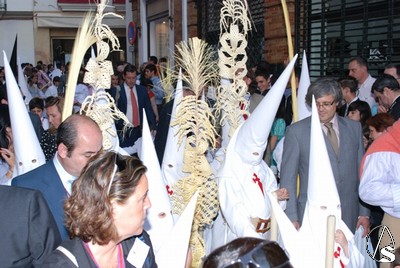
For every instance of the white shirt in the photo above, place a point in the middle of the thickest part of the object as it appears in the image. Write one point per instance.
(380, 182)
(364, 91)
(51, 91)
(65, 177)
(128, 101)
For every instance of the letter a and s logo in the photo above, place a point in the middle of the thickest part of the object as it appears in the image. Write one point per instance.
(386, 251)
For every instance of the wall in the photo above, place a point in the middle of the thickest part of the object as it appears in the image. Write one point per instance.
(276, 48)
(24, 29)
(20, 5)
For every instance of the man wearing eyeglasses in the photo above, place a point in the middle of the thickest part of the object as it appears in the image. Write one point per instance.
(343, 138)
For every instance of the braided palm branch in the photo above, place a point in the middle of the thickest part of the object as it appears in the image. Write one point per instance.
(234, 25)
(195, 121)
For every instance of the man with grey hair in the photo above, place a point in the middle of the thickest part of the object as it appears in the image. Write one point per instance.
(343, 138)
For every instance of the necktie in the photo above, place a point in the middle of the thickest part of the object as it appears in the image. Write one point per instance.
(332, 137)
(135, 110)
(69, 185)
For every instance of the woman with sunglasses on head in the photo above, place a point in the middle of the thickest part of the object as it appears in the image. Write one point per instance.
(246, 252)
(105, 215)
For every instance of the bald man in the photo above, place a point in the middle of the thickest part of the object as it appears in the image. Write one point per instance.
(78, 138)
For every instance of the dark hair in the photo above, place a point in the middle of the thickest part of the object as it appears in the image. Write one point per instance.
(385, 80)
(151, 67)
(366, 132)
(323, 87)
(68, 131)
(145, 82)
(88, 211)
(153, 59)
(360, 61)
(350, 82)
(4, 124)
(232, 251)
(381, 121)
(396, 66)
(39, 66)
(36, 103)
(364, 109)
(263, 72)
(56, 79)
(129, 68)
(3, 92)
(58, 101)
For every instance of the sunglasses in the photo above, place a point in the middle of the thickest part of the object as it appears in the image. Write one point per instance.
(267, 254)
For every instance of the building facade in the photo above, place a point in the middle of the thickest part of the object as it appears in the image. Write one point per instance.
(46, 29)
(330, 31)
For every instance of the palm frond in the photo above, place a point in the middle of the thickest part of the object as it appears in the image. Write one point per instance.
(235, 24)
(234, 12)
(167, 78)
(195, 121)
(195, 57)
(84, 39)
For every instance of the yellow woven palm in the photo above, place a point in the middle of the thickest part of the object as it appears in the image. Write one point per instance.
(234, 24)
(195, 122)
(100, 105)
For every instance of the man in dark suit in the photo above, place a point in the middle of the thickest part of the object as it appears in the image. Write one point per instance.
(343, 138)
(78, 138)
(133, 99)
(387, 89)
(349, 87)
(28, 231)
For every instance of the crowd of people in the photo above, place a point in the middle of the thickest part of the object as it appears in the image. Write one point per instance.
(86, 207)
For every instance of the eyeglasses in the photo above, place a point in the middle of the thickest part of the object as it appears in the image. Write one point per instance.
(325, 104)
(266, 254)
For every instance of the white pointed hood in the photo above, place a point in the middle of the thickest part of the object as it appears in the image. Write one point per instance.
(171, 166)
(302, 108)
(291, 238)
(322, 195)
(253, 135)
(159, 221)
(22, 83)
(55, 72)
(322, 189)
(307, 246)
(173, 253)
(28, 153)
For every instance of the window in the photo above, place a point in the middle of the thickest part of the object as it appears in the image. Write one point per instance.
(334, 31)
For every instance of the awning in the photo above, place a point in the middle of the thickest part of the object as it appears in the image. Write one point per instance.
(72, 20)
